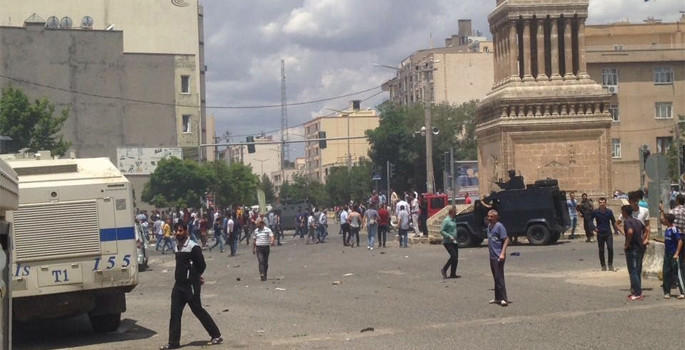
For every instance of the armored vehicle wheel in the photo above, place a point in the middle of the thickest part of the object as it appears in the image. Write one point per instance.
(554, 237)
(105, 323)
(538, 234)
(464, 238)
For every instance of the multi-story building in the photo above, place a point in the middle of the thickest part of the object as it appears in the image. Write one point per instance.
(265, 160)
(89, 56)
(457, 73)
(350, 124)
(643, 67)
(279, 177)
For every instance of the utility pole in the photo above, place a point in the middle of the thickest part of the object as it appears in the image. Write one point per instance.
(285, 150)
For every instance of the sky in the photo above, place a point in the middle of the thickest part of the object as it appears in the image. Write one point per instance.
(329, 48)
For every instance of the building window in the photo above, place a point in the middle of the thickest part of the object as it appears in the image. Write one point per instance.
(186, 123)
(664, 110)
(615, 148)
(613, 110)
(663, 75)
(663, 144)
(185, 84)
(609, 76)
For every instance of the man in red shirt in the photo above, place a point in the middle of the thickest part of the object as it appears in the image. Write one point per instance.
(383, 224)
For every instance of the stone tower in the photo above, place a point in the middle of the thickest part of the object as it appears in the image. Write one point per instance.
(544, 116)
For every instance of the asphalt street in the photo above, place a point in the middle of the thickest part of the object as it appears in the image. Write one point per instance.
(326, 296)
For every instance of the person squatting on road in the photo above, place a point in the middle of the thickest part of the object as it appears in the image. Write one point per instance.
(263, 239)
(449, 240)
(498, 241)
(604, 220)
(673, 246)
(634, 249)
(190, 265)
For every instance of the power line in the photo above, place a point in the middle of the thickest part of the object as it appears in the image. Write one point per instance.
(23, 81)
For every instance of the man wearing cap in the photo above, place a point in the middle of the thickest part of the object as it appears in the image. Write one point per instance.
(263, 239)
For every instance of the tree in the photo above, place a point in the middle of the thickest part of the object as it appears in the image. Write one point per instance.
(232, 184)
(177, 183)
(268, 187)
(303, 187)
(356, 184)
(31, 125)
(395, 140)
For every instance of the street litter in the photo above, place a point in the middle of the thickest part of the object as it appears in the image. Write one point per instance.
(280, 289)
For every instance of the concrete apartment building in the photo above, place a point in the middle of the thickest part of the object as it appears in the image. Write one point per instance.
(457, 73)
(265, 160)
(131, 72)
(352, 122)
(643, 66)
(279, 177)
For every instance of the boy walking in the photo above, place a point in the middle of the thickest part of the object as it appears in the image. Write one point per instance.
(673, 245)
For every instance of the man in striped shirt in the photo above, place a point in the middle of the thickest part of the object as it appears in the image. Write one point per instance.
(263, 239)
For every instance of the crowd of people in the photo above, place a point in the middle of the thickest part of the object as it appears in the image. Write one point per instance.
(600, 225)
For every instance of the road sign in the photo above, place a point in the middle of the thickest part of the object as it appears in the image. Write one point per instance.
(376, 177)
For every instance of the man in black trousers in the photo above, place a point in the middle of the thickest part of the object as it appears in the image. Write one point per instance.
(190, 264)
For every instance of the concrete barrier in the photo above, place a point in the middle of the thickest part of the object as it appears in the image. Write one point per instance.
(653, 261)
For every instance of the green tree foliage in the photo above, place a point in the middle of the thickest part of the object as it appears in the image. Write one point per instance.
(177, 183)
(268, 187)
(343, 185)
(303, 187)
(31, 125)
(395, 141)
(232, 184)
(183, 183)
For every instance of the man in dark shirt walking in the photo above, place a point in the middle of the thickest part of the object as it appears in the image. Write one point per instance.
(190, 264)
(604, 221)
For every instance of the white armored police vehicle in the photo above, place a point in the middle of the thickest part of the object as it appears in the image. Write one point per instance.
(9, 192)
(73, 247)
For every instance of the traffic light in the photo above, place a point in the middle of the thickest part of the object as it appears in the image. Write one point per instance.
(250, 144)
(322, 139)
(447, 161)
(391, 169)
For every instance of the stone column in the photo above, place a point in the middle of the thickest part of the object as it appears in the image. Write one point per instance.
(541, 49)
(568, 49)
(499, 48)
(513, 52)
(582, 64)
(554, 50)
(527, 54)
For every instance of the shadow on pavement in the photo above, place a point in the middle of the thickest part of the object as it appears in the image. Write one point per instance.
(72, 332)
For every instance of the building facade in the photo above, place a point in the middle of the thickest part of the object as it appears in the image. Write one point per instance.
(265, 160)
(457, 73)
(84, 28)
(545, 117)
(643, 67)
(350, 124)
(279, 177)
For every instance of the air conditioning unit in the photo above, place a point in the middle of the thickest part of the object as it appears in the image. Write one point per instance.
(613, 89)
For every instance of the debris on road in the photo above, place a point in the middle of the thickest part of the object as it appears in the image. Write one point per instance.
(367, 329)
(335, 283)
(280, 289)
(348, 275)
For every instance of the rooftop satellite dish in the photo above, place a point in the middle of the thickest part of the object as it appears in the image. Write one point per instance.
(87, 22)
(52, 22)
(66, 22)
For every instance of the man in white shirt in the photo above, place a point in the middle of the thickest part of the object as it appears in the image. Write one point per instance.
(403, 222)
(344, 225)
(415, 214)
(232, 239)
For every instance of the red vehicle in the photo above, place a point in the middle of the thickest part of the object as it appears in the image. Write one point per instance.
(435, 202)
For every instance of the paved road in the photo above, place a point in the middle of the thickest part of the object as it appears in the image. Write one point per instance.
(561, 300)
